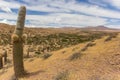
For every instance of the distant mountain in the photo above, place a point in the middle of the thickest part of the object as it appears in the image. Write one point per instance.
(4, 26)
(98, 28)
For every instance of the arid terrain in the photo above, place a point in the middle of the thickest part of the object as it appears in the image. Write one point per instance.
(65, 53)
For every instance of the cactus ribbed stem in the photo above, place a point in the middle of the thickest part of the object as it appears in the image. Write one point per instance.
(18, 44)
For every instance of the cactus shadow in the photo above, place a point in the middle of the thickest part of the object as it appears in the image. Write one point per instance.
(34, 73)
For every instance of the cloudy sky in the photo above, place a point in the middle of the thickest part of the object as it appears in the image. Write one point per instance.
(57, 13)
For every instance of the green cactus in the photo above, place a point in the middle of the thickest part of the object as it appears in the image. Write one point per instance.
(18, 44)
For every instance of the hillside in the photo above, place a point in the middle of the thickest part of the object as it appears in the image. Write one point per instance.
(96, 60)
(64, 54)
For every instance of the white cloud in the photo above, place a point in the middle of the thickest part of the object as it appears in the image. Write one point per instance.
(4, 21)
(76, 19)
(62, 6)
(72, 6)
(11, 16)
(99, 2)
(113, 26)
(115, 3)
(89, 9)
(6, 6)
(62, 19)
(63, 12)
(9, 4)
(6, 9)
(59, 19)
(7, 21)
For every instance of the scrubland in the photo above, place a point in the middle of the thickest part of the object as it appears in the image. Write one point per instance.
(64, 54)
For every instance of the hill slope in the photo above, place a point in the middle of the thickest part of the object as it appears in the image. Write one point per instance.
(99, 61)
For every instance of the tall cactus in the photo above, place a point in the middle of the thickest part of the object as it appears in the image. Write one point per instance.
(18, 43)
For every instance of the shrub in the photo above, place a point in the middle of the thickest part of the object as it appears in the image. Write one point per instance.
(108, 38)
(113, 35)
(75, 56)
(84, 49)
(62, 76)
(88, 45)
(46, 55)
(37, 52)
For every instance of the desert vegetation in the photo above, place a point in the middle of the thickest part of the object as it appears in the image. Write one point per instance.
(111, 36)
(52, 42)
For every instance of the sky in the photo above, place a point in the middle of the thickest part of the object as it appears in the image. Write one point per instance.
(63, 13)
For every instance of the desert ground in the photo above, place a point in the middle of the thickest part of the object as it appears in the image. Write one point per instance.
(64, 53)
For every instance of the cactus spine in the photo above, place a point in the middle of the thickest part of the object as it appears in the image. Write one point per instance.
(18, 44)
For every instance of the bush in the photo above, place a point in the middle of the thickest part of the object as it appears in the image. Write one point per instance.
(113, 35)
(46, 55)
(75, 56)
(37, 52)
(84, 49)
(62, 76)
(88, 45)
(108, 38)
